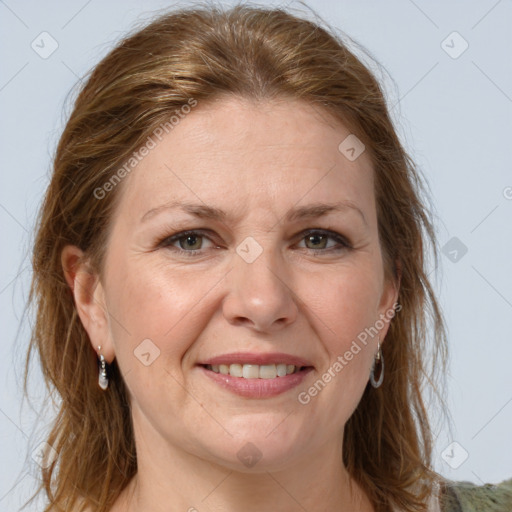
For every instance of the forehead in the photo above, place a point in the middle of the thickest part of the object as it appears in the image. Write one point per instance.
(241, 154)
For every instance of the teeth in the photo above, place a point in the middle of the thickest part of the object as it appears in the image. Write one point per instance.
(268, 371)
(281, 369)
(236, 370)
(254, 371)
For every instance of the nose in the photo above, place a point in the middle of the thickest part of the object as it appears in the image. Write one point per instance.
(260, 294)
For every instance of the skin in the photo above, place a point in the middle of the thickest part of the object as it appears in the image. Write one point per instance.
(256, 161)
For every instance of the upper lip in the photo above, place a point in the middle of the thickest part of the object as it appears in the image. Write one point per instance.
(257, 358)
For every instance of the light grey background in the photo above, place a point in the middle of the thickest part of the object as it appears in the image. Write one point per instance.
(454, 115)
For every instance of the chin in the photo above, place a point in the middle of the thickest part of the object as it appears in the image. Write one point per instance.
(255, 458)
(256, 449)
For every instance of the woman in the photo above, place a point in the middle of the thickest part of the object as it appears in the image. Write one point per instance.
(229, 280)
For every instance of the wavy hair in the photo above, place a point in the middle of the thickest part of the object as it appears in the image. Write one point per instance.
(202, 53)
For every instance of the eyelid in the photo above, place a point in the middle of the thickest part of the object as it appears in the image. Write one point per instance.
(342, 241)
(167, 240)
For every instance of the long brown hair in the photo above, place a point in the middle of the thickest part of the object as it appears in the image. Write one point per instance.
(198, 54)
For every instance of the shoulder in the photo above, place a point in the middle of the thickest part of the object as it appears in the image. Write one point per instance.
(469, 497)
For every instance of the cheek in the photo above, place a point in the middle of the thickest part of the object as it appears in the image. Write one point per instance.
(346, 305)
(346, 310)
(164, 306)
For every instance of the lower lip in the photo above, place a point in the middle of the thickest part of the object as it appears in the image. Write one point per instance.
(257, 388)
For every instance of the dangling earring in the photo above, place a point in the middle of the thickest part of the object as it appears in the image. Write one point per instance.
(102, 377)
(379, 358)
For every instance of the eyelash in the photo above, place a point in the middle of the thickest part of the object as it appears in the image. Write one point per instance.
(169, 240)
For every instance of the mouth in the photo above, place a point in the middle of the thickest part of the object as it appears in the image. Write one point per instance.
(256, 381)
(256, 371)
(256, 375)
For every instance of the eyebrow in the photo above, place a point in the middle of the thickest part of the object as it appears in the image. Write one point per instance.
(311, 211)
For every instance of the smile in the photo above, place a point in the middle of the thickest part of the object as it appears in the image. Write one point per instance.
(256, 381)
(255, 371)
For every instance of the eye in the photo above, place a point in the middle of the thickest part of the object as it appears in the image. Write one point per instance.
(318, 238)
(189, 242)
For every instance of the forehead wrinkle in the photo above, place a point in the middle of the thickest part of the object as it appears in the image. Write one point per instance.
(203, 211)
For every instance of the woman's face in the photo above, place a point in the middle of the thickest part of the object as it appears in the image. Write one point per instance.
(268, 275)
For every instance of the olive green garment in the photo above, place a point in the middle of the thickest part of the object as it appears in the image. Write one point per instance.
(468, 497)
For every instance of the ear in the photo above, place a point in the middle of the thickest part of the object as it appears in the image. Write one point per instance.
(89, 299)
(388, 306)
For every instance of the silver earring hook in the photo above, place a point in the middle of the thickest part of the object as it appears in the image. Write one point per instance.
(379, 358)
(102, 377)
